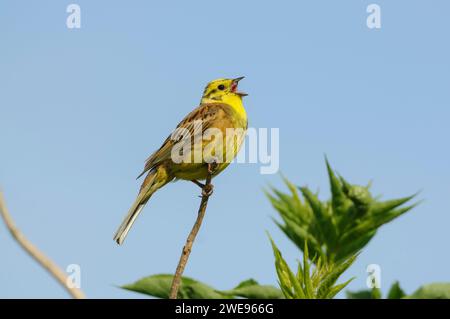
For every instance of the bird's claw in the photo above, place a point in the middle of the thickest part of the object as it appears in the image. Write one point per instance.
(207, 190)
(212, 167)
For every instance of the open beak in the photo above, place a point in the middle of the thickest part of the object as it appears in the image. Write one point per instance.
(235, 85)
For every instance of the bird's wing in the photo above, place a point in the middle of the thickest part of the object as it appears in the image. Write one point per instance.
(205, 116)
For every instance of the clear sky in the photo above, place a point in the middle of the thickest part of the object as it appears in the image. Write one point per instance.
(81, 109)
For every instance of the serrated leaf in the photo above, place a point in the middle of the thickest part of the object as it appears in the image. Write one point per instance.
(337, 194)
(386, 206)
(372, 224)
(299, 235)
(309, 292)
(336, 289)
(288, 281)
(300, 293)
(293, 190)
(331, 278)
(352, 245)
(322, 219)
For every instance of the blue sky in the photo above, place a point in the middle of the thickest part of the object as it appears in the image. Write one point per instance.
(80, 110)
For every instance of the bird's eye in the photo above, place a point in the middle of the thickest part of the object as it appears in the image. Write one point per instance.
(221, 87)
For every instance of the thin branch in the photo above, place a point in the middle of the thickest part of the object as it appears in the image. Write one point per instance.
(206, 192)
(34, 252)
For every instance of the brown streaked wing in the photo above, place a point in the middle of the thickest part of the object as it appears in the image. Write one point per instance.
(207, 113)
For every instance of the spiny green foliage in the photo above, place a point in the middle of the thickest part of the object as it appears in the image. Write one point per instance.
(159, 286)
(310, 282)
(329, 233)
(338, 228)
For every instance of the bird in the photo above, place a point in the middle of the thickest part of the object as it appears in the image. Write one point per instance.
(189, 151)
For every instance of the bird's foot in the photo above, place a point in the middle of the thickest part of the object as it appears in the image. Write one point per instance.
(207, 190)
(212, 167)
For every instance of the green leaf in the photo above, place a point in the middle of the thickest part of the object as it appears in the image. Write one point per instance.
(322, 221)
(386, 206)
(432, 291)
(294, 192)
(331, 278)
(252, 290)
(360, 294)
(246, 283)
(299, 235)
(337, 194)
(352, 244)
(306, 273)
(159, 286)
(336, 289)
(396, 292)
(300, 292)
(372, 224)
(288, 281)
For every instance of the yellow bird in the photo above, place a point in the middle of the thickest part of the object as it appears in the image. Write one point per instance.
(213, 132)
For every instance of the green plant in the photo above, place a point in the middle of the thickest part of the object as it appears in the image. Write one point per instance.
(338, 228)
(310, 282)
(159, 286)
(330, 233)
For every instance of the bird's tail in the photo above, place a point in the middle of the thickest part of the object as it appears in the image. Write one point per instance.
(151, 184)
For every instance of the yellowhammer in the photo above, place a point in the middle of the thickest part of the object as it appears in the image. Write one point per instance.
(213, 132)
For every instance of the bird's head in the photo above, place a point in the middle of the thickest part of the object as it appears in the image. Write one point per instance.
(221, 90)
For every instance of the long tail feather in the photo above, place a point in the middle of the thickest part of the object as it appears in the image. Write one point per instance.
(150, 186)
(125, 227)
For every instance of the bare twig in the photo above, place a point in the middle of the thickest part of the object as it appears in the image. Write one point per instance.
(206, 192)
(34, 252)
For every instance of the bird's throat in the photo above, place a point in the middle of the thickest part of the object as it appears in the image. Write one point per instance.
(235, 101)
